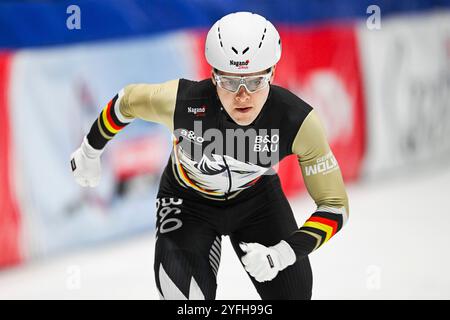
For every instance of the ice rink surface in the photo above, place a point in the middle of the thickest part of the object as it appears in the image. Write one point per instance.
(395, 246)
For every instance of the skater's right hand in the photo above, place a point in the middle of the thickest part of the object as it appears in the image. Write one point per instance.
(85, 163)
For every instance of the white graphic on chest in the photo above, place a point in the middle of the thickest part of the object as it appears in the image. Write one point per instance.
(225, 160)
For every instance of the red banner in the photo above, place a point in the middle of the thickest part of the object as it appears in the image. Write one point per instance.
(321, 65)
(9, 215)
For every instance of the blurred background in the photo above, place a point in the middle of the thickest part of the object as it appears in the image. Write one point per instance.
(377, 72)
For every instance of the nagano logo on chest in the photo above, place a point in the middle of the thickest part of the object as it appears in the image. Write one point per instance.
(197, 111)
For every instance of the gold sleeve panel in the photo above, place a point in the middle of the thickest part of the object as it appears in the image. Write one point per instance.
(151, 102)
(320, 170)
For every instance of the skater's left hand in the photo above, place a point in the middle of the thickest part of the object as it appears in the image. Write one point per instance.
(263, 263)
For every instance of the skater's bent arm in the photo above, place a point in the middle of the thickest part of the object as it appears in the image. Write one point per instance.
(150, 102)
(323, 180)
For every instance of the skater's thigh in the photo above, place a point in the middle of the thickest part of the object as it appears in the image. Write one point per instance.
(187, 252)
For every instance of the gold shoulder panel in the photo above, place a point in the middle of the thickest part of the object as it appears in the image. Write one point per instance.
(151, 102)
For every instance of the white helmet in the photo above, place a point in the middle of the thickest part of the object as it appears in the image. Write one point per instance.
(242, 42)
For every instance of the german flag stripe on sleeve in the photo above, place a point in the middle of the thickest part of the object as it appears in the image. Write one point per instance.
(108, 124)
(102, 129)
(113, 125)
(323, 224)
(117, 118)
(320, 226)
(320, 233)
(337, 218)
(333, 213)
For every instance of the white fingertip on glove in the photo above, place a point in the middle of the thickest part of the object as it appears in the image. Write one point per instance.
(85, 163)
(263, 263)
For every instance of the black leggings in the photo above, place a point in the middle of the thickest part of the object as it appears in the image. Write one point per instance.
(188, 243)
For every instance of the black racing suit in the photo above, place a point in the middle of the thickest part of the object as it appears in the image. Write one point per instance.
(220, 181)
